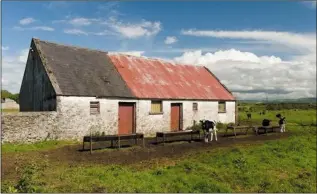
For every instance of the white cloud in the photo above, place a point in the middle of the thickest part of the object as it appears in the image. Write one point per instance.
(26, 21)
(252, 76)
(42, 28)
(133, 53)
(301, 42)
(80, 21)
(75, 32)
(170, 40)
(134, 30)
(12, 70)
(103, 33)
(5, 48)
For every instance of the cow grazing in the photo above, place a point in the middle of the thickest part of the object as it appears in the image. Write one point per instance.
(281, 122)
(266, 122)
(207, 125)
(209, 128)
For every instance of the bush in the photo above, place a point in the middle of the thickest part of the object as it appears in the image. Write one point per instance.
(195, 127)
(221, 125)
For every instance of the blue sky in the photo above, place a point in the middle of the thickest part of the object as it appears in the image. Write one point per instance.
(239, 37)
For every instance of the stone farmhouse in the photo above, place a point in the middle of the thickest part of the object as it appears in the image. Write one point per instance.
(117, 93)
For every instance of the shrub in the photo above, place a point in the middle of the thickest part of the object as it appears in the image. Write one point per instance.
(221, 125)
(26, 183)
(195, 127)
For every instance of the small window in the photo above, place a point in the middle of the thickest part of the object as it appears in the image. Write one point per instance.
(94, 108)
(222, 107)
(195, 106)
(156, 107)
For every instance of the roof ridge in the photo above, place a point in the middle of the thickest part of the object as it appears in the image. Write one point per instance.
(68, 45)
(118, 53)
(155, 59)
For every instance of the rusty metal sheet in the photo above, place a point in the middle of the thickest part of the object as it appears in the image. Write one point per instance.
(154, 78)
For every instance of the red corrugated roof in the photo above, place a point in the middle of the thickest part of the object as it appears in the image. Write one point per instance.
(157, 79)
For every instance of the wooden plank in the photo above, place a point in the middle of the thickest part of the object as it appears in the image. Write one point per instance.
(112, 137)
(176, 133)
(90, 142)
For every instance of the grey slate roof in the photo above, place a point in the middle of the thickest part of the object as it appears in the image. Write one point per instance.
(82, 72)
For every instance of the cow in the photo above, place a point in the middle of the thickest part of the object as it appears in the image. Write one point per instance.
(210, 129)
(249, 115)
(281, 122)
(266, 122)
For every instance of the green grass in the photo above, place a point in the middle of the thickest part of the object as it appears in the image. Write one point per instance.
(39, 146)
(285, 165)
(9, 110)
(276, 166)
(306, 117)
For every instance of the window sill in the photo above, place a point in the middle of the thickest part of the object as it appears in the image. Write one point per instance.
(155, 113)
(222, 112)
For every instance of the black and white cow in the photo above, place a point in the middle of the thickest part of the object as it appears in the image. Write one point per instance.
(210, 129)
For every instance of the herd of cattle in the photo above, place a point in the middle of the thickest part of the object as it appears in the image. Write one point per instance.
(210, 129)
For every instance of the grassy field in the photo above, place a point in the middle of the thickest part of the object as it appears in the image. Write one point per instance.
(9, 110)
(298, 117)
(285, 165)
(39, 146)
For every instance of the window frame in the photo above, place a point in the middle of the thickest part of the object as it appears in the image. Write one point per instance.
(91, 106)
(225, 107)
(195, 106)
(161, 105)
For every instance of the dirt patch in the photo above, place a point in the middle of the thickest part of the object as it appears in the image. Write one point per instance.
(73, 154)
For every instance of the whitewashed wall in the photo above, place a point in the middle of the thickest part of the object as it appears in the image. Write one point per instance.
(73, 120)
(79, 121)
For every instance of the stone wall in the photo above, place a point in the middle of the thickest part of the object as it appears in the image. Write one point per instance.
(72, 120)
(28, 126)
(76, 110)
(9, 104)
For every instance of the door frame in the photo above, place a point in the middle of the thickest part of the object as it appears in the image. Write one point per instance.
(134, 115)
(180, 115)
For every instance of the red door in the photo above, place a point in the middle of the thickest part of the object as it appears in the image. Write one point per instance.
(175, 117)
(126, 118)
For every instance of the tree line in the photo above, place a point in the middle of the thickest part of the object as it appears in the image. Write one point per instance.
(276, 106)
(7, 94)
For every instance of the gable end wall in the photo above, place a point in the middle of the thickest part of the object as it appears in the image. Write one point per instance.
(37, 92)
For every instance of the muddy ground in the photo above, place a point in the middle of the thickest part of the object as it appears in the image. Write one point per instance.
(73, 154)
